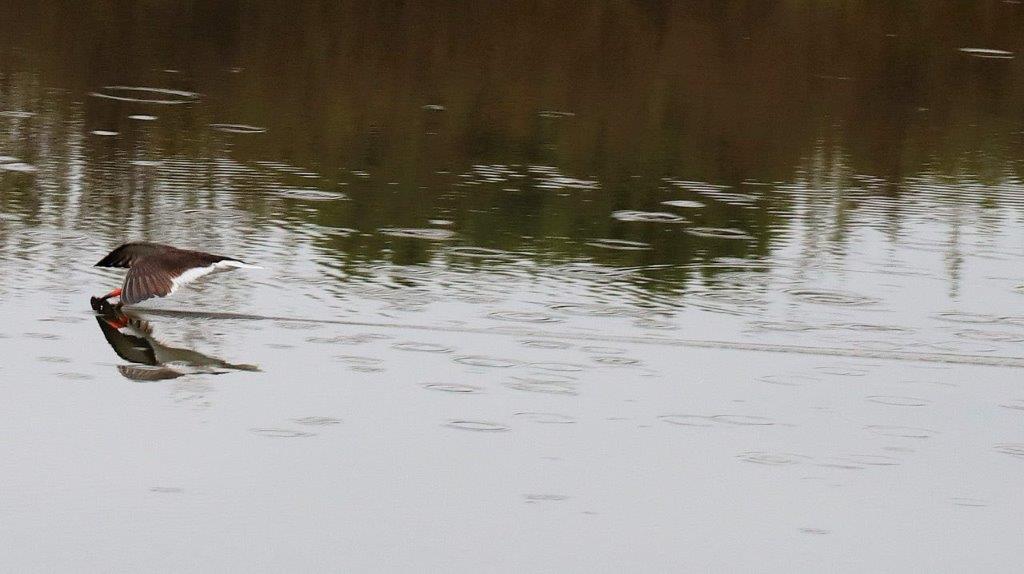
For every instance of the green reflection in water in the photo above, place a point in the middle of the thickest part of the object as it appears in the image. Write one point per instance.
(524, 125)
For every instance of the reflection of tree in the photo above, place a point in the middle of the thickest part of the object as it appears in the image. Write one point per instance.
(811, 97)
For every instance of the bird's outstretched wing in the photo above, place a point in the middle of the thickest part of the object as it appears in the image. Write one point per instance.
(130, 253)
(147, 280)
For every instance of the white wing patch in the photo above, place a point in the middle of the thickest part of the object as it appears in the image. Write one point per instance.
(197, 272)
(229, 264)
(190, 276)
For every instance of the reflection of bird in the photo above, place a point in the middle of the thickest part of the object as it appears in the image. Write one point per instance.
(156, 270)
(132, 339)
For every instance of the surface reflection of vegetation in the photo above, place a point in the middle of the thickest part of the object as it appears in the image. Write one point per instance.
(415, 94)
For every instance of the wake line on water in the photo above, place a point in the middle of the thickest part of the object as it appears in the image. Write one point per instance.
(946, 358)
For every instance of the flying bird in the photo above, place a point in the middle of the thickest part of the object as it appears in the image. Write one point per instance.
(156, 270)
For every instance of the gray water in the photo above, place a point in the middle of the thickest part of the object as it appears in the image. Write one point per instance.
(573, 288)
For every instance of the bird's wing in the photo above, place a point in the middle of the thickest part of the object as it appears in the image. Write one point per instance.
(131, 253)
(147, 280)
(162, 274)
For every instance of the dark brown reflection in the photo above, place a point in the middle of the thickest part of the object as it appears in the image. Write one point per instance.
(404, 107)
(132, 339)
(725, 90)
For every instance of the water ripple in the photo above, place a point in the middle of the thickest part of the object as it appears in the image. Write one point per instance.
(718, 232)
(523, 317)
(873, 459)
(966, 317)
(686, 203)
(545, 497)
(310, 194)
(901, 431)
(615, 361)
(546, 418)
(552, 385)
(789, 380)
(317, 421)
(687, 420)
(772, 459)
(470, 252)
(619, 245)
(452, 388)
(559, 367)
(146, 95)
(647, 216)
(997, 336)
(429, 234)
(1012, 449)
(743, 420)
(897, 401)
(280, 433)
(19, 166)
(422, 347)
(484, 361)
(988, 53)
(538, 344)
(238, 128)
(823, 297)
(476, 426)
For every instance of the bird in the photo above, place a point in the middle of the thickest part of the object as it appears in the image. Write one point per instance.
(157, 270)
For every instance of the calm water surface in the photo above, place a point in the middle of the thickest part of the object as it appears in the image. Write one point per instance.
(546, 287)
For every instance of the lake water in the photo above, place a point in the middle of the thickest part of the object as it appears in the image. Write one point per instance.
(546, 287)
